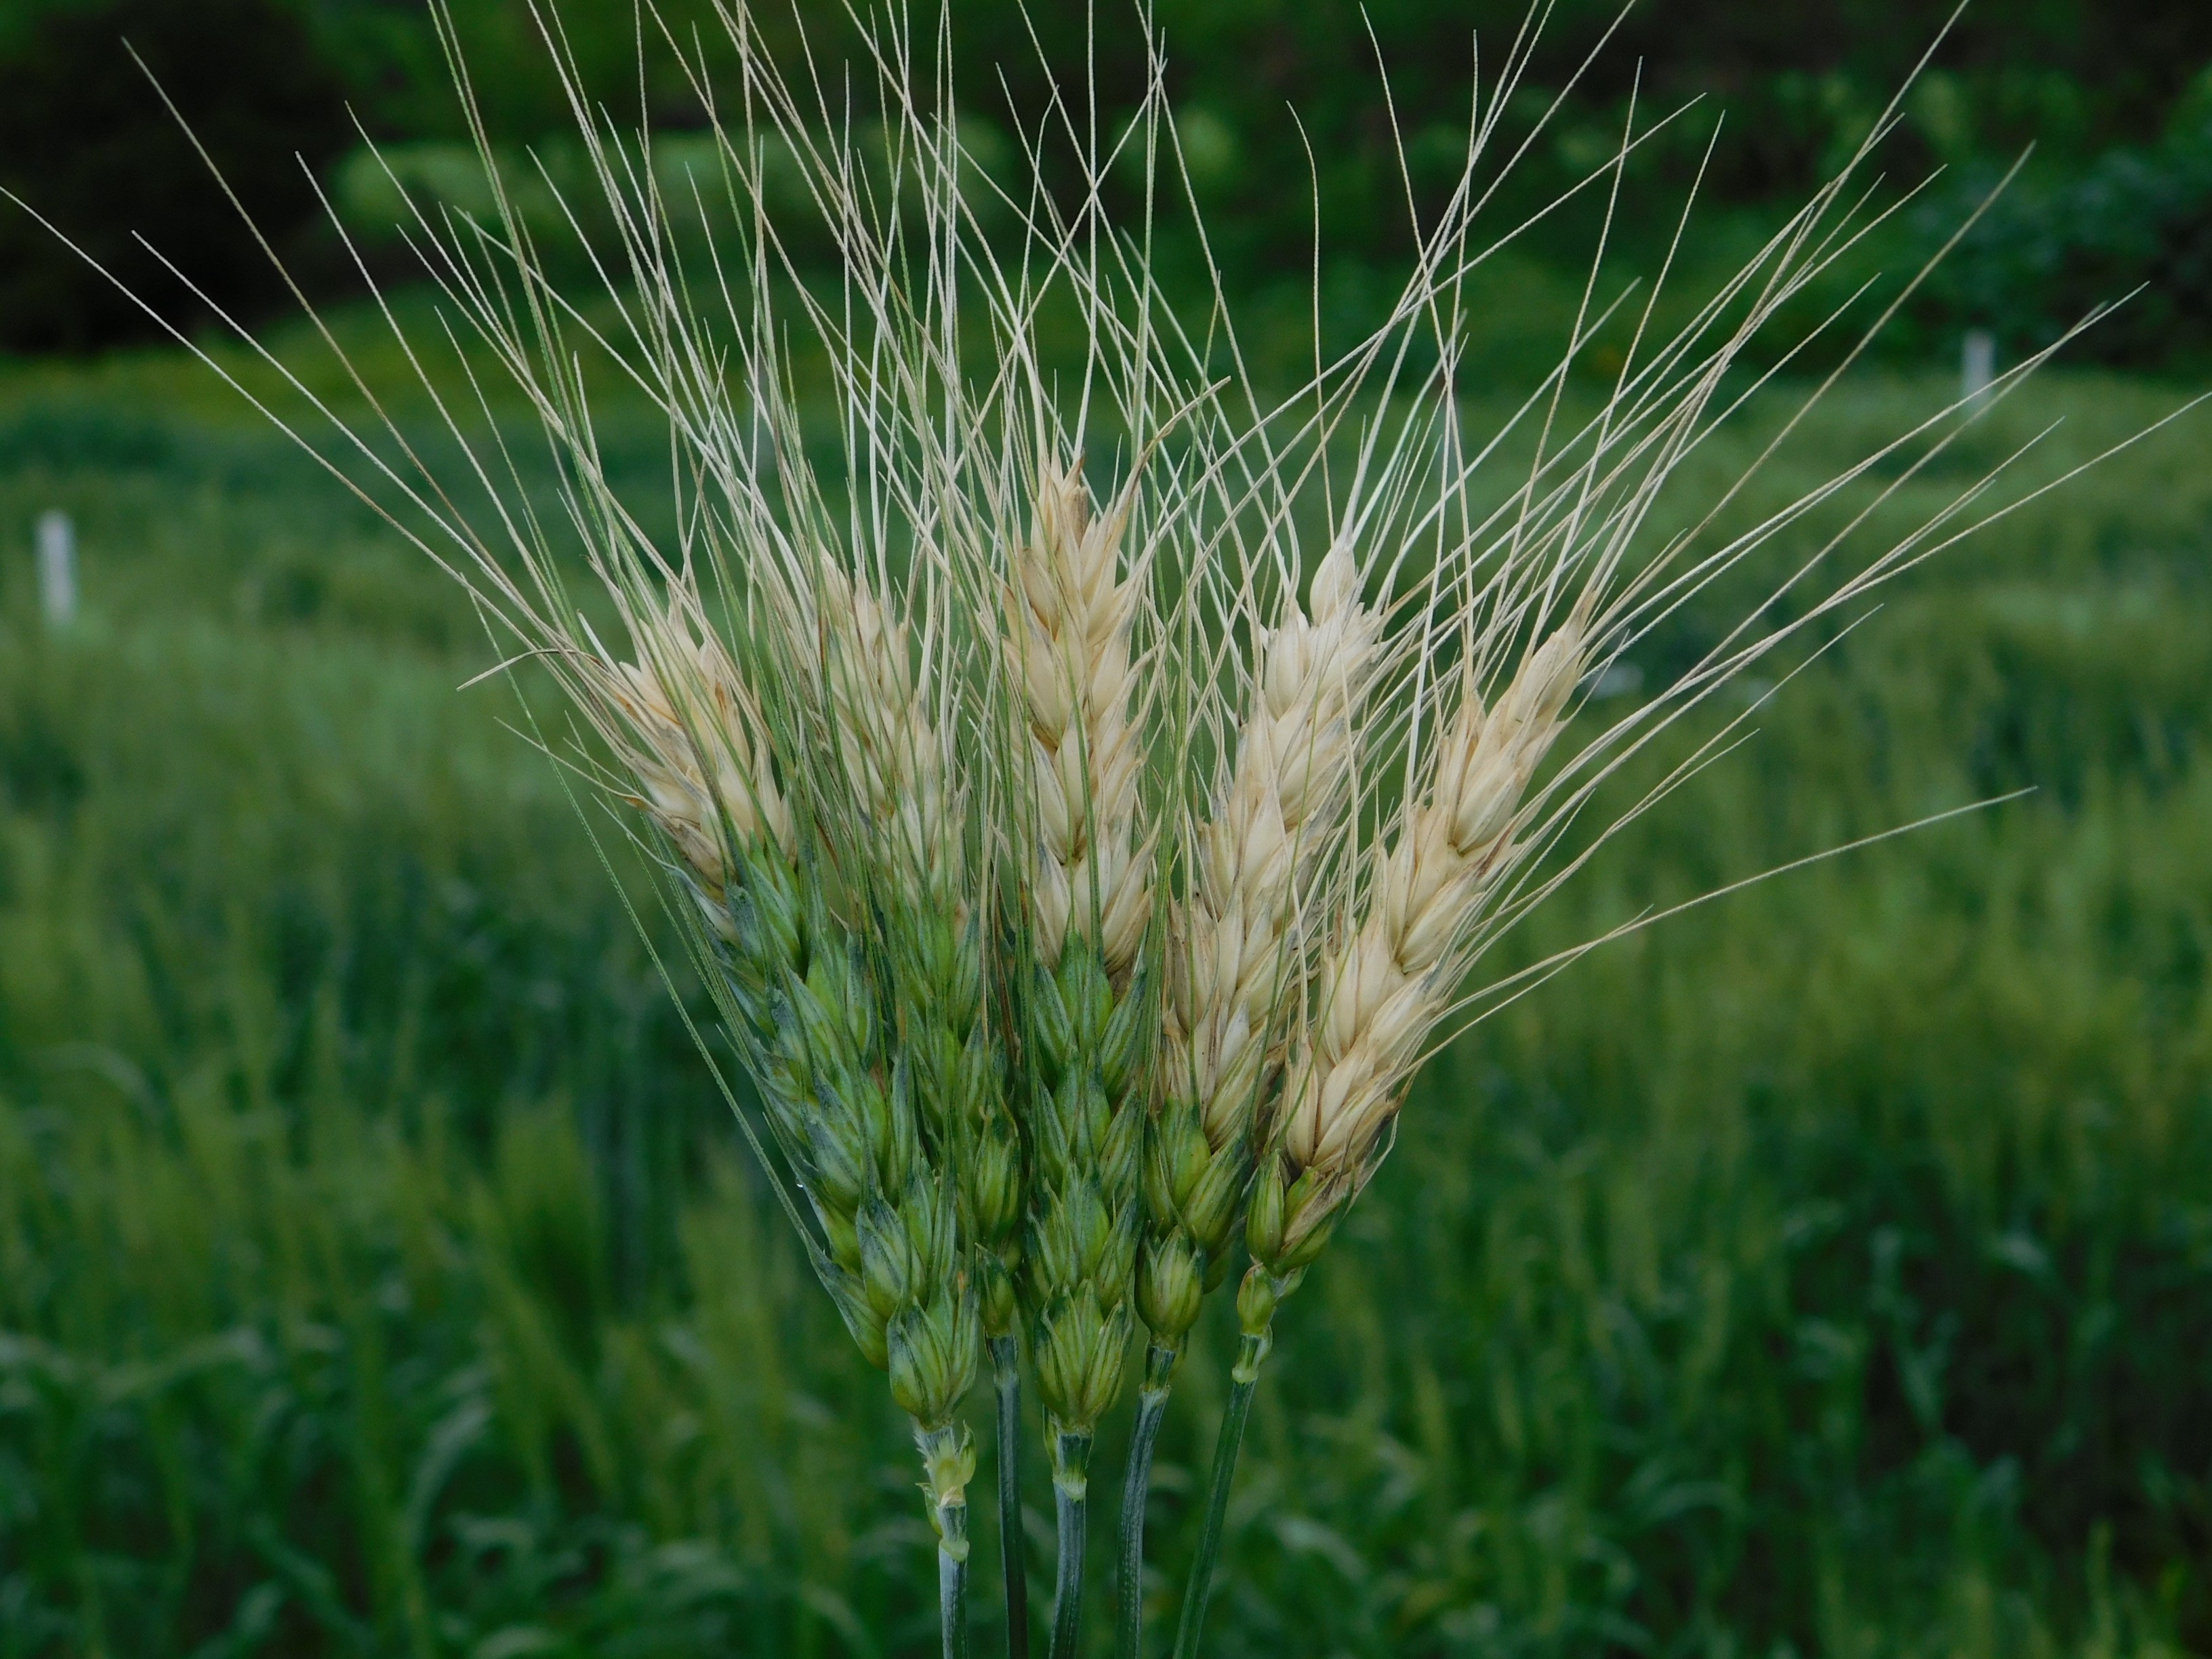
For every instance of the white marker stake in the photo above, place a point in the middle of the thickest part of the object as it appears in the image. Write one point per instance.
(56, 569)
(1978, 369)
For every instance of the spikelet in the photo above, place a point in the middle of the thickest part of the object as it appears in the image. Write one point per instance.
(1382, 990)
(1069, 619)
(1234, 950)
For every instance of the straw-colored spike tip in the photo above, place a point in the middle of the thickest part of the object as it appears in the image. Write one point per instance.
(891, 746)
(686, 727)
(1069, 624)
(1382, 991)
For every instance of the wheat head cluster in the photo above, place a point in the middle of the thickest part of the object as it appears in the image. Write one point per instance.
(1088, 782)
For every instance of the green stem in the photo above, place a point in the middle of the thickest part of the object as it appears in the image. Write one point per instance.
(952, 1597)
(1071, 1487)
(949, 1460)
(1245, 1378)
(1152, 1407)
(1006, 1371)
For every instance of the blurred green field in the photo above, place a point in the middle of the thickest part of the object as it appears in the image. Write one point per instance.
(1826, 1270)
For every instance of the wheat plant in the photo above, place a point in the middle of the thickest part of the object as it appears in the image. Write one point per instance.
(1088, 785)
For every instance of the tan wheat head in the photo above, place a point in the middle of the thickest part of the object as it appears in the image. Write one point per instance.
(1234, 944)
(1398, 969)
(1069, 620)
(688, 732)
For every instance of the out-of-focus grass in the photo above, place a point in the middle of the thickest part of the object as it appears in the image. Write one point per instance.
(1827, 1270)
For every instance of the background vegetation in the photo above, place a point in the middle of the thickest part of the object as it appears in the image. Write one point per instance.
(1828, 1270)
(2118, 192)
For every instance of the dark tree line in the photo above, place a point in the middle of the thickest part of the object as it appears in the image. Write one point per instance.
(2105, 93)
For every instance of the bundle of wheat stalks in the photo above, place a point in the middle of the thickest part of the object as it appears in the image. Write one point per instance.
(1087, 787)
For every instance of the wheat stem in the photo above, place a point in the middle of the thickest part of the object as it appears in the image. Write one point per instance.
(948, 1460)
(1006, 1373)
(1071, 1487)
(952, 1580)
(1136, 1488)
(1244, 1379)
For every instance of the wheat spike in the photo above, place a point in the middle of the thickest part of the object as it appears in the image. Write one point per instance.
(1070, 613)
(899, 766)
(1236, 948)
(1382, 990)
(1274, 821)
(810, 1004)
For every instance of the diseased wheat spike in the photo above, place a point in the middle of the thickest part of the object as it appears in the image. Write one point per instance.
(1382, 990)
(891, 751)
(901, 770)
(901, 818)
(810, 1000)
(1070, 618)
(1234, 950)
(689, 732)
